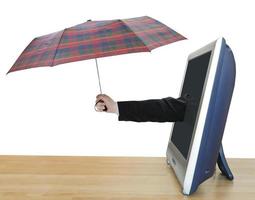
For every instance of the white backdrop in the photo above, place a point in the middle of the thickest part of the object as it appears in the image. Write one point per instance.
(49, 111)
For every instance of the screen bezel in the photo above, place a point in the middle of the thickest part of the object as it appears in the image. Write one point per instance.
(184, 169)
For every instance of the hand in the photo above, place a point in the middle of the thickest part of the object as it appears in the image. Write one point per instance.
(102, 101)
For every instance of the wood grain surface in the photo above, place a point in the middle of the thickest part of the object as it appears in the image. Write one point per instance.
(113, 178)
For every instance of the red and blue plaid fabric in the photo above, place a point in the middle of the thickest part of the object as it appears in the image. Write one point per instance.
(94, 39)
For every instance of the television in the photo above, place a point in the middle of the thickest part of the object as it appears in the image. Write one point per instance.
(195, 144)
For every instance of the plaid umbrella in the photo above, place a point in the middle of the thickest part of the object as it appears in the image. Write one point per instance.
(94, 39)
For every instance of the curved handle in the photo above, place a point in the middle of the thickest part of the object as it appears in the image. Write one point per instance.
(105, 108)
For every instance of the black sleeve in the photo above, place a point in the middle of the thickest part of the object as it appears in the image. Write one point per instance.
(155, 110)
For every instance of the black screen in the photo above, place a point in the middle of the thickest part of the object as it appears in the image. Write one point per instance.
(191, 91)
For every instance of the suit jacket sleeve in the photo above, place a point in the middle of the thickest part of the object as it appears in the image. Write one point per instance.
(155, 110)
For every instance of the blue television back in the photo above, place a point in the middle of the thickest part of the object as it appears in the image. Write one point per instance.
(216, 117)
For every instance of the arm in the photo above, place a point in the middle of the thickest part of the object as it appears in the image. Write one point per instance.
(155, 110)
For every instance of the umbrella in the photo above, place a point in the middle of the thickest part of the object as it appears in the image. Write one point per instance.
(95, 39)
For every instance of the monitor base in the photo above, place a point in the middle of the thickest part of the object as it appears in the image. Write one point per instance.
(223, 165)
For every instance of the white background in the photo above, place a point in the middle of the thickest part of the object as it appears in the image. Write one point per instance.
(50, 111)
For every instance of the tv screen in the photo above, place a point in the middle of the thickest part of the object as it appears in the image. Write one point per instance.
(195, 144)
(192, 90)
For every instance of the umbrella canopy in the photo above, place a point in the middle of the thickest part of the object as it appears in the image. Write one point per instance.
(94, 39)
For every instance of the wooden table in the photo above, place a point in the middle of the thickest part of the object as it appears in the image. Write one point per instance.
(115, 178)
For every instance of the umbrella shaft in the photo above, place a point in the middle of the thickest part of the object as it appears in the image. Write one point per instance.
(98, 76)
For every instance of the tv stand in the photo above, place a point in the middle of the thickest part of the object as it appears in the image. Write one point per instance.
(223, 165)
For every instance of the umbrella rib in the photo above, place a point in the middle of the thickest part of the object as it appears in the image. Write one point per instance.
(135, 34)
(52, 64)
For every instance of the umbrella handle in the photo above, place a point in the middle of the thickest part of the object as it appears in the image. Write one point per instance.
(105, 108)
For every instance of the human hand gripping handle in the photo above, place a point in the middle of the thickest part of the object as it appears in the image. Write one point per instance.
(104, 103)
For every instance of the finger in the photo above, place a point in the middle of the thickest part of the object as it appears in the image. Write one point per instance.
(100, 108)
(100, 104)
(99, 96)
(99, 101)
(105, 95)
